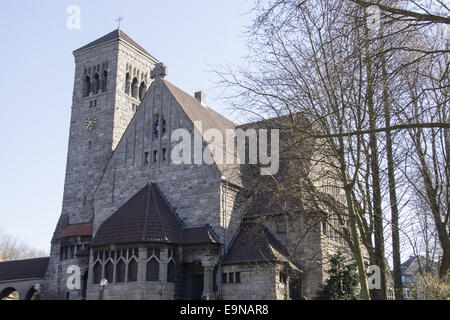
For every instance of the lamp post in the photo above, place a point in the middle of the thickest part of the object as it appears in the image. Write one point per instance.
(103, 283)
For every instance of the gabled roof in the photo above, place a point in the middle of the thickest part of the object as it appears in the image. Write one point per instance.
(116, 35)
(83, 230)
(199, 235)
(210, 119)
(196, 112)
(146, 217)
(254, 243)
(23, 269)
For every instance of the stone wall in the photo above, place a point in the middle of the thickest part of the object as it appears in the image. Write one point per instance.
(258, 282)
(193, 191)
(89, 150)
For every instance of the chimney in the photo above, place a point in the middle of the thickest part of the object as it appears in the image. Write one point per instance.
(201, 98)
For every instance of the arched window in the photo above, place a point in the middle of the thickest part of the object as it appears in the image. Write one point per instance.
(105, 81)
(97, 83)
(127, 83)
(142, 90)
(152, 270)
(109, 272)
(120, 271)
(156, 126)
(9, 294)
(132, 270)
(87, 86)
(97, 273)
(134, 88)
(171, 271)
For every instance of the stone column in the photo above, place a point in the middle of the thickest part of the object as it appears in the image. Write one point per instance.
(208, 291)
(208, 263)
(142, 265)
(163, 258)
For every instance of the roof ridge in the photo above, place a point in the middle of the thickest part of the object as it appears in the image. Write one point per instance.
(116, 34)
(163, 196)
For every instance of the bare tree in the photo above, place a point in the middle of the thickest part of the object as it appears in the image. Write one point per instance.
(319, 59)
(13, 249)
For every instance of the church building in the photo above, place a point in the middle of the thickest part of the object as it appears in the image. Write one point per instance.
(154, 229)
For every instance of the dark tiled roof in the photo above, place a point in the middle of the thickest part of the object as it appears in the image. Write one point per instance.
(254, 243)
(196, 112)
(210, 119)
(146, 217)
(115, 36)
(23, 269)
(199, 235)
(84, 230)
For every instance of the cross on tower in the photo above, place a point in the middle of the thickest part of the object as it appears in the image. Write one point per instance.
(119, 20)
(159, 72)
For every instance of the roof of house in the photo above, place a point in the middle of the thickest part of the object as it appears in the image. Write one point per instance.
(147, 217)
(23, 269)
(415, 265)
(116, 35)
(82, 230)
(254, 243)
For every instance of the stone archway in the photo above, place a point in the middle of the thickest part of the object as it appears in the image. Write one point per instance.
(32, 294)
(9, 293)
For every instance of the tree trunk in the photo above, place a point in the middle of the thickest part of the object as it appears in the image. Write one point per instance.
(378, 294)
(396, 258)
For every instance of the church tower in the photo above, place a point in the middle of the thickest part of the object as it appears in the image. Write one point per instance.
(112, 75)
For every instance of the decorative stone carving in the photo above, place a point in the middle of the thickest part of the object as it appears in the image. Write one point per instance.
(159, 72)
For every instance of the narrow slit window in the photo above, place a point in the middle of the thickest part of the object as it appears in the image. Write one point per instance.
(156, 126)
(231, 278)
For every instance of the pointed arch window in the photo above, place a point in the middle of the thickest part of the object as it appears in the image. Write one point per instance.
(142, 90)
(109, 272)
(87, 86)
(171, 271)
(120, 271)
(132, 270)
(134, 88)
(152, 270)
(97, 273)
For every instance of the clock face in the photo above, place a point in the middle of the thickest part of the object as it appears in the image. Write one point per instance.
(90, 123)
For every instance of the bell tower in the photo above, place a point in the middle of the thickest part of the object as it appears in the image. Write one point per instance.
(112, 75)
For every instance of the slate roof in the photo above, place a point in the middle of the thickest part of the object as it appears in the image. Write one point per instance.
(196, 112)
(210, 120)
(199, 235)
(23, 269)
(254, 243)
(84, 230)
(147, 217)
(115, 35)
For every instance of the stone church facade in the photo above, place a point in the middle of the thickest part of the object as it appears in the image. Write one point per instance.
(158, 230)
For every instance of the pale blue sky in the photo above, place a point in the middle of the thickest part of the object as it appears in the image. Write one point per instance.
(36, 85)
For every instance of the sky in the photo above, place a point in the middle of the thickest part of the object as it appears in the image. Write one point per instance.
(36, 85)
